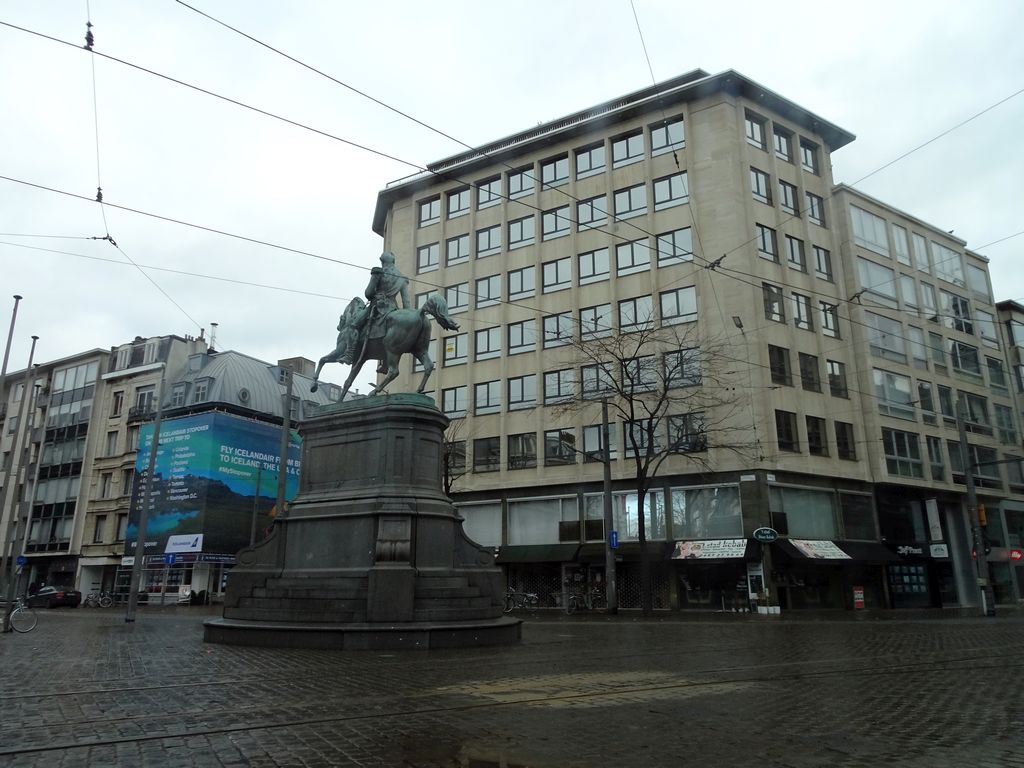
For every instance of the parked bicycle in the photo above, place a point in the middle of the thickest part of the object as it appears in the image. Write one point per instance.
(514, 600)
(23, 618)
(592, 600)
(99, 600)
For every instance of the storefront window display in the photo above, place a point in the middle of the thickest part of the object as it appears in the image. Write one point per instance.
(535, 521)
(625, 515)
(803, 512)
(706, 513)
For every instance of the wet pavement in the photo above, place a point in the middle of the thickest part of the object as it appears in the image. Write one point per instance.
(912, 689)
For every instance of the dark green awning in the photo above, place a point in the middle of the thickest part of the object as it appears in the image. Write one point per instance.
(538, 553)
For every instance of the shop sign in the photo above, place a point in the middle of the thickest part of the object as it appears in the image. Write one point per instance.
(710, 549)
(127, 561)
(819, 549)
(184, 542)
(939, 550)
(1016, 555)
(858, 597)
(765, 535)
(909, 549)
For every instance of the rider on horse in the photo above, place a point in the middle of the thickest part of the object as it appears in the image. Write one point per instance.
(386, 282)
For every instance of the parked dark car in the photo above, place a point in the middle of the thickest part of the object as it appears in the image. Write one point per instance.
(51, 597)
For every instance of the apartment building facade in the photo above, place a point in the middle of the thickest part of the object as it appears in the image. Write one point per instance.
(706, 206)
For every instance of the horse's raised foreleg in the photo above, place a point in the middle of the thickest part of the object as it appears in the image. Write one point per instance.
(352, 377)
(319, 367)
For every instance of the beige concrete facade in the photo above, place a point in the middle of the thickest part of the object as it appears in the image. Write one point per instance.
(771, 274)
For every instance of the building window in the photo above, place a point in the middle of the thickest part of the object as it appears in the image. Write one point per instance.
(822, 263)
(902, 453)
(627, 149)
(787, 198)
(767, 246)
(522, 283)
(127, 480)
(641, 438)
(593, 266)
(555, 171)
(918, 351)
(106, 485)
(458, 202)
(144, 398)
(596, 380)
(926, 401)
(688, 433)
(593, 443)
(869, 230)
(795, 253)
(666, 136)
(773, 306)
(555, 223)
(635, 314)
(632, 257)
(522, 392)
(590, 160)
(965, 359)
(521, 232)
(948, 264)
(810, 373)
(487, 454)
(977, 419)
(956, 312)
(488, 291)
(640, 374)
(488, 241)
(783, 145)
(133, 438)
(111, 446)
(97, 531)
(557, 330)
(815, 209)
(778, 364)
(631, 201)
(122, 526)
(522, 337)
(997, 375)
(878, 281)
(829, 319)
(454, 401)
(935, 459)
(683, 368)
(596, 321)
(809, 157)
(846, 447)
(558, 386)
(670, 191)
(457, 249)
(785, 430)
(488, 343)
(592, 213)
(817, 441)
(679, 306)
(487, 397)
(430, 211)
(427, 257)
(760, 186)
(675, 247)
(457, 297)
(987, 328)
(117, 405)
(755, 130)
(885, 337)
(901, 245)
(1005, 425)
(520, 182)
(559, 447)
(455, 349)
(488, 192)
(557, 275)
(522, 451)
(894, 395)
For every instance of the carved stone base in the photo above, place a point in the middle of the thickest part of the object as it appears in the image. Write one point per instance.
(371, 554)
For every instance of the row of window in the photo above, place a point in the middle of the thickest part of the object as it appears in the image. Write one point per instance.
(803, 310)
(904, 457)
(816, 436)
(788, 194)
(557, 222)
(106, 486)
(783, 142)
(664, 136)
(678, 305)
(676, 369)
(684, 433)
(810, 372)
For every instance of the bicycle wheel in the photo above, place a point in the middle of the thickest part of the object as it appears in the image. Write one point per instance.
(106, 601)
(599, 601)
(571, 605)
(509, 604)
(532, 602)
(23, 619)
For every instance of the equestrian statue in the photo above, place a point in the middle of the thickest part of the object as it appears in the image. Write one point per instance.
(380, 330)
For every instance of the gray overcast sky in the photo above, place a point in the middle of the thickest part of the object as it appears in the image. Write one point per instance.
(894, 73)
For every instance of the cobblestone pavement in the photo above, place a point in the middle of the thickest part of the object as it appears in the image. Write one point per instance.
(86, 689)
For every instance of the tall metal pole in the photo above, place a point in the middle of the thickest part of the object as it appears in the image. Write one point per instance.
(145, 499)
(612, 593)
(3, 402)
(7, 349)
(286, 428)
(9, 542)
(988, 602)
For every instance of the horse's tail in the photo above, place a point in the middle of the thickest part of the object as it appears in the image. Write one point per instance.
(437, 307)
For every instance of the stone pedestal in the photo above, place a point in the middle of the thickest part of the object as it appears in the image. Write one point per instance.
(371, 553)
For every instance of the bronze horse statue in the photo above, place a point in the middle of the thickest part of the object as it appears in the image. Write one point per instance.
(405, 330)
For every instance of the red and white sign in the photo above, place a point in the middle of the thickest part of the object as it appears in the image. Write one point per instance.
(819, 550)
(1017, 555)
(858, 597)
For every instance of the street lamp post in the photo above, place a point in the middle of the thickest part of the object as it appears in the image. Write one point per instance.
(988, 603)
(611, 585)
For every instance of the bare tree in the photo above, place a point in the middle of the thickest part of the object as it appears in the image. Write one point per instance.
(676, 395)
(453, 464)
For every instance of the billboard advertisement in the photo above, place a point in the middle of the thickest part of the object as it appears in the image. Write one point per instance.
(214, 473)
